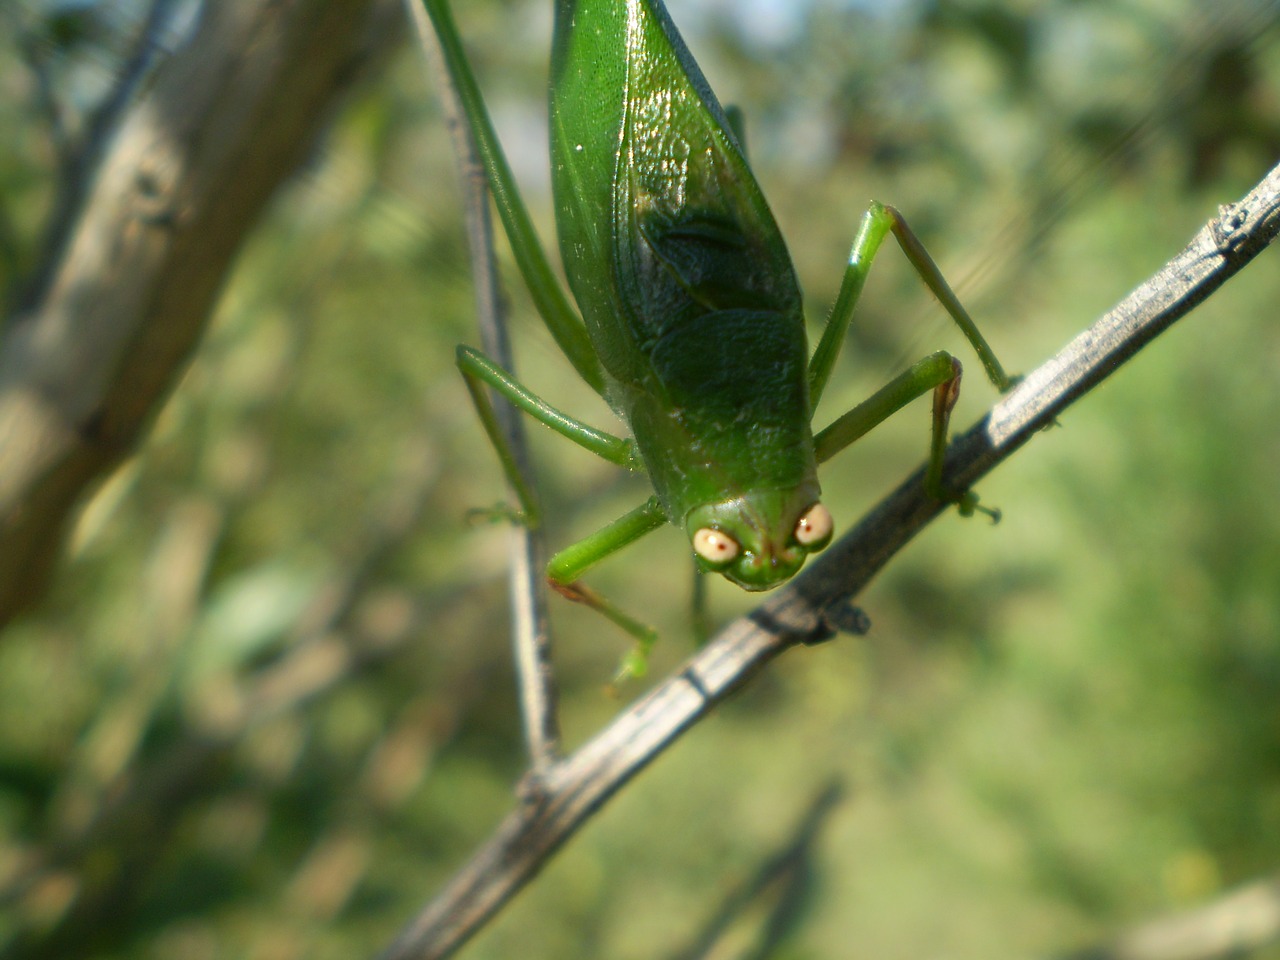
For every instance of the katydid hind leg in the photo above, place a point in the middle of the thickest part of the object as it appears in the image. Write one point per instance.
(879, 222)
(929, 272)
(871, 234)
(547, 293)
(570, 333)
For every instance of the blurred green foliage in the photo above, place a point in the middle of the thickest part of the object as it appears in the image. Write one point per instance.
(268, 706)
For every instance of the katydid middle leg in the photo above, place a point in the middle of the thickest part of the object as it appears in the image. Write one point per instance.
(567, 566)
(478, 370)
(568, 330)
(939, 372)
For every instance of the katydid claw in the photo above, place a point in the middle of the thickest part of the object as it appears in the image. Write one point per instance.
(634, 665)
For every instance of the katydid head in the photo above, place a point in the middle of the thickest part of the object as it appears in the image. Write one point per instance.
(760, 539)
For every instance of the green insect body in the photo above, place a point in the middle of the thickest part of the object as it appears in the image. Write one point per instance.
(686, 287)
(691, 320)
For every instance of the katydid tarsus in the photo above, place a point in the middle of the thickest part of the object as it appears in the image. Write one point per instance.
(691, 322)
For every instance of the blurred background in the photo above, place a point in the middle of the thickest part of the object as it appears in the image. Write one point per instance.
(268, 706)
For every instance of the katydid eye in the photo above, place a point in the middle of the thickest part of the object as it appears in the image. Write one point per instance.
(715, 546)
(814, 527)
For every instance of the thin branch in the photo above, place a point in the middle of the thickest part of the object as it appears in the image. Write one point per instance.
(530, 635)
(579, 785)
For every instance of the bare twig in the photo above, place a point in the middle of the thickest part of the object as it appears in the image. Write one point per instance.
(530, 636)
(580, 784)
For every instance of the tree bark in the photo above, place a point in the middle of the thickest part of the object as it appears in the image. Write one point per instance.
(90, 359)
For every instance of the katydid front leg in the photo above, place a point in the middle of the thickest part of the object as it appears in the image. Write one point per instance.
(939, 372)
(570, 334)
(567, 566)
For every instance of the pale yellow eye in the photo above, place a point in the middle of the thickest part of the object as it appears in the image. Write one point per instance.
(815, 526)
(715, 546)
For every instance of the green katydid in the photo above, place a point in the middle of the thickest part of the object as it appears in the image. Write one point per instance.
(692, 327)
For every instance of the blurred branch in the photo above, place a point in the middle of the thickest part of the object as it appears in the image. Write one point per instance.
(555, 805)
(352, 623)
(186, 172)
(137, 810)
(1232, 926)
(530, 635)
(782, 882)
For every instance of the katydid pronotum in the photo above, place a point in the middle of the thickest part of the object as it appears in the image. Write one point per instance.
(692, 328)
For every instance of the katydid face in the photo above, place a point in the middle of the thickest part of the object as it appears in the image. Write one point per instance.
(760, 539)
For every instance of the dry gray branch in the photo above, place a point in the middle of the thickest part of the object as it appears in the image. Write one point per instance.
(556, 803)
(530, 633)
(1235, 924)
(189, 169)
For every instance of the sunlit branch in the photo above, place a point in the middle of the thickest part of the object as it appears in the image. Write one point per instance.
(576, 787)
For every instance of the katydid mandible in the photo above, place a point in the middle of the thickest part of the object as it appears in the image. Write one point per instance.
(691, 322)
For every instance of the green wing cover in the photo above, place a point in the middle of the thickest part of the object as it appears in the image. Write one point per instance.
(682, 276)
(660, 219)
